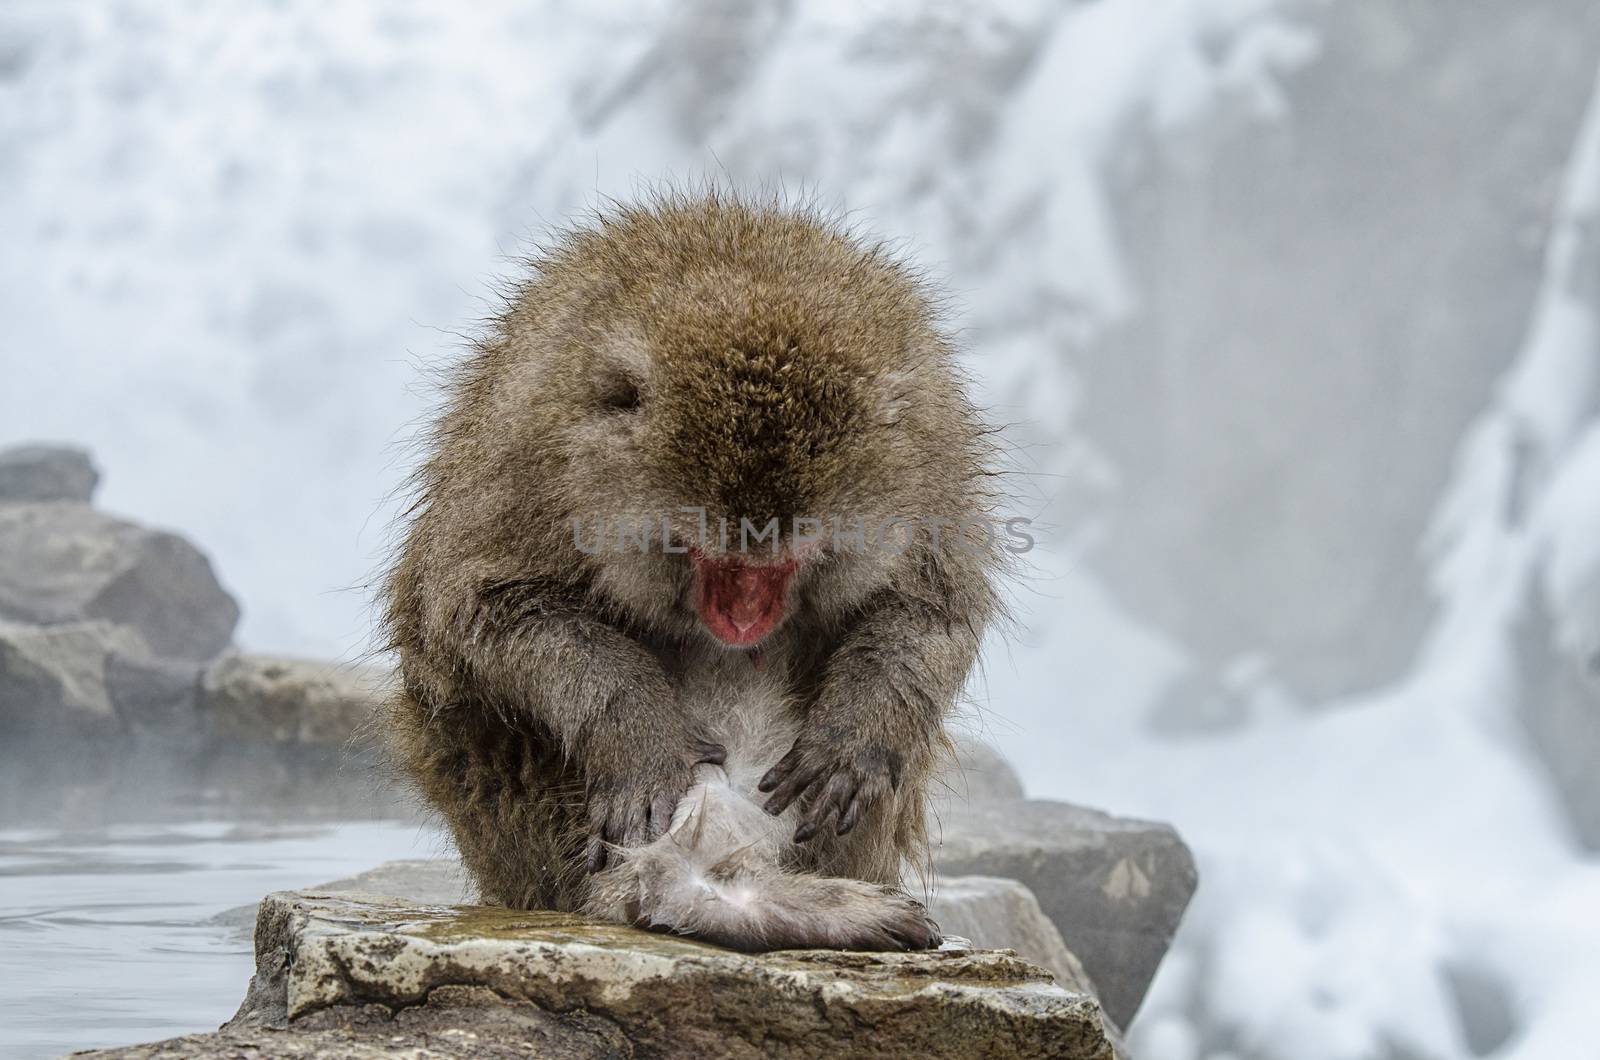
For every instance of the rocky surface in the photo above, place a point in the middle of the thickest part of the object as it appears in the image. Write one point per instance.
(1111, 892)
(112, 642)
(65, 562)
(990, 912)
(104, 625)
(1094, 898)
(351, 974)
(425, 881)
(271, 699)
(1115, 888)
(1001, 914)
(54, 682)
(979, 772)
(47, 473)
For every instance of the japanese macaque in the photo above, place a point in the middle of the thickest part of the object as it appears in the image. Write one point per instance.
(697, 568)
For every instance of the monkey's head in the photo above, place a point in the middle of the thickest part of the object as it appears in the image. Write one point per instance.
(746, 408)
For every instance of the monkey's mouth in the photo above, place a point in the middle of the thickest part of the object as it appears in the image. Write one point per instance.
(740, 602)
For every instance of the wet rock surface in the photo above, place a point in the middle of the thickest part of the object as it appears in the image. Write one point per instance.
(1115, 888)
(348, 974)
(453, 1022)
(990, 912)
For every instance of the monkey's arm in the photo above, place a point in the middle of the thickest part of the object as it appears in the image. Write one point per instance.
(598, 691)
(880, 709)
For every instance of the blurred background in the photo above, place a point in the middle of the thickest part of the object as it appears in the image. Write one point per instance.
(1290, 305)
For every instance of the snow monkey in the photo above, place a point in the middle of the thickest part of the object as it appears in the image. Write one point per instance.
(678, 631)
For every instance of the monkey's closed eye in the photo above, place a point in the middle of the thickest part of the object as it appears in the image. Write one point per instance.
(620, 393)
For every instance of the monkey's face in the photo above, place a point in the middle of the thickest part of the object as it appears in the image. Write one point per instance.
(739, 439)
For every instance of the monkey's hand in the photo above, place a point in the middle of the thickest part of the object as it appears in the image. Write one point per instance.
(878, 716)
(830, 777)
(633, 791)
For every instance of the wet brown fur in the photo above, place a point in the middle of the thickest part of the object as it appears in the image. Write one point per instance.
(749, 357)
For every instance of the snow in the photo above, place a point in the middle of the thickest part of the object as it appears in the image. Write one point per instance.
(1358, 860)
(232, 239)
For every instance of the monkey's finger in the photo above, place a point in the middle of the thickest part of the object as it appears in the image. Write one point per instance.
(709, 752)
(635, 822)
(809, 801)
(790, 790)
(852, 814)
(841, 789)
(596, 854)
(661, 810)
(777, 773)
(611, 831)
(599, 812)
(786, 787)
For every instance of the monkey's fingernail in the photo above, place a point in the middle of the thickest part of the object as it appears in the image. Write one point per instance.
(848, 819)
(769, 781)
(805, 832)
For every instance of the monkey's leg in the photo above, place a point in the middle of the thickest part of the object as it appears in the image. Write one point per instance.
(506, 647)
(514, 810)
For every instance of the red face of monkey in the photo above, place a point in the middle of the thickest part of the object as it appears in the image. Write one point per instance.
(753, 430)
(758, 399)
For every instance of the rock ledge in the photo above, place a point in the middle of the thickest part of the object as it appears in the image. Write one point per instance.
(339, 974)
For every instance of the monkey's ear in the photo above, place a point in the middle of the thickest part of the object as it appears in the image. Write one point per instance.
(618, 390)
(893, 397)
(621, 373)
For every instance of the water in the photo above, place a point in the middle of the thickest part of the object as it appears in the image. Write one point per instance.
(109, 937)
